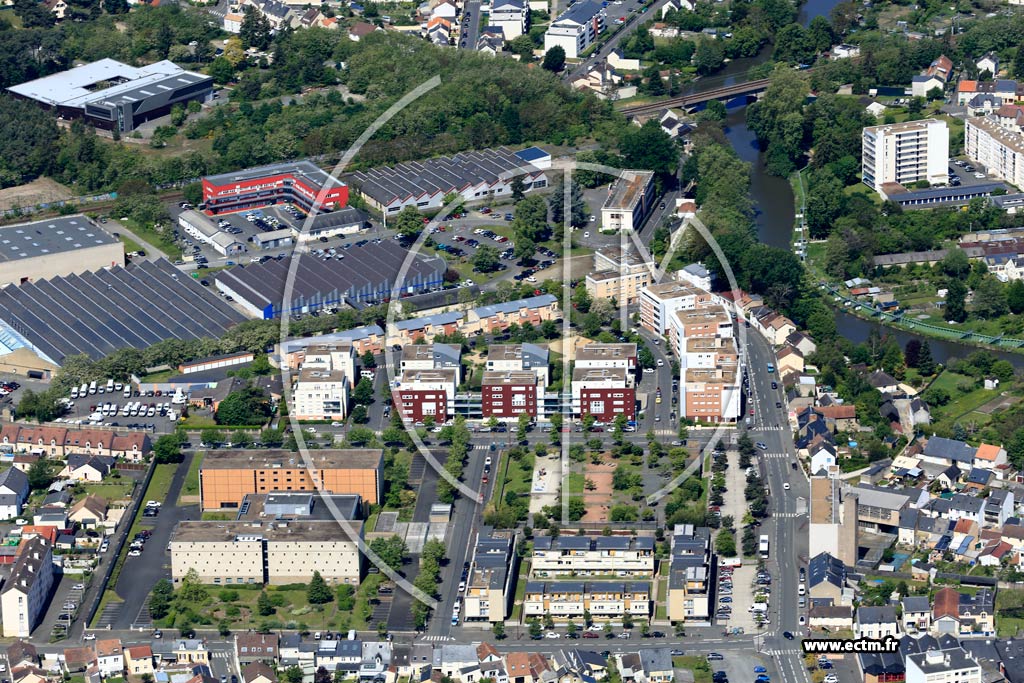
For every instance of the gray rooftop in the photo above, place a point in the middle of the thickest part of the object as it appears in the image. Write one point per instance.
(517, 305)
(50, 236)
(77, 87)
(97, 313)
(581, 12)
(440, 176)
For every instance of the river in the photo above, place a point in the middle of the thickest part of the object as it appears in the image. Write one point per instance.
(774, 201)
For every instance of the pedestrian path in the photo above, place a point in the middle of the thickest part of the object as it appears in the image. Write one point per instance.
(776, 456)
(768, 428)
(782, 653)
(437, 639)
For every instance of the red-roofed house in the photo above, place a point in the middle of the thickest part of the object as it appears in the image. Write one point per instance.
(989, 456)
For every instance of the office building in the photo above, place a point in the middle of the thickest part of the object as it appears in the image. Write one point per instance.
(905, 153)
(301, 183)
(999, 150)
(115, 96)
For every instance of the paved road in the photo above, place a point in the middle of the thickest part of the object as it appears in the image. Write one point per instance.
(470, 31)
(152, 253)
(628, 9)
(140, 574)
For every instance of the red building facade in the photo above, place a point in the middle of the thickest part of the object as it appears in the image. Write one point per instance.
(301, 183)
(509, 394)
(606, 404)
(417, 404)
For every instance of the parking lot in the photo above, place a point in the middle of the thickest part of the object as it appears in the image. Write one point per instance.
(151, 413)
(739, 667)
(963, 173)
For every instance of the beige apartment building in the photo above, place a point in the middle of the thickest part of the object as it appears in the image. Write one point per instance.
(333, 356)
(564, 555)
(490, 588)
(658, 303)
(998, 150)
(905, 153)
(710, 395)
(619, 275)
(26, 592)
(690, 595)
(278, 552)
(320, 395)
(698, 323)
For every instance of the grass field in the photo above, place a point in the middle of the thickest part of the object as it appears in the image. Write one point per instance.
(962, 405)
(112, 489)
(1006, 626)
(698, 665)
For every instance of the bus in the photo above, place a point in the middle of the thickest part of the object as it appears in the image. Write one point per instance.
(763, 546)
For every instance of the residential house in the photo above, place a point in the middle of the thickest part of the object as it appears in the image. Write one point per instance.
(802, 343)
(998, 507)
(937, 75)
(655, 666)
(138, 660)
(110, 657)
(959, 614)
(87, 467)
(949, 665)
(990, 456)
(256, 647)
(943, 451)
(190, 651)
(884, 382)
(917, 614)
(677, 6)
(14, 492)
(826, 579)
(258, 672)
(876, 622)
(832, 617)
(90, 512)
(360, 30)
(989, 62)
(790, 358)
(22, 653)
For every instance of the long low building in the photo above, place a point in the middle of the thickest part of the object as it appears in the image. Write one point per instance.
(227, 477)
(366, 275)
(279, 552)
(474, 176)
(602, 599)
(115, 96)
(99, 312)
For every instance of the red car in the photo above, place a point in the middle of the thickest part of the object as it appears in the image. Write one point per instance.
(590, 634)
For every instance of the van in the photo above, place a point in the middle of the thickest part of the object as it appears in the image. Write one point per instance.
(801, 590)
(83, 390)
(127, 392)
(92, 388)
(74, 392)
(110, 386)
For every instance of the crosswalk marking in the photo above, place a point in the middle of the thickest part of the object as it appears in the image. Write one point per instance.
(775, 456)
(781, 653)
(768, 428)
(437, 639)
(789, 515)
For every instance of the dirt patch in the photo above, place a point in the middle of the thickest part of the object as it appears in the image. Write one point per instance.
(560, 345)
(598, 500)
(40, 191)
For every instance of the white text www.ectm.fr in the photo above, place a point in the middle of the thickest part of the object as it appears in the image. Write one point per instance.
(847, 646)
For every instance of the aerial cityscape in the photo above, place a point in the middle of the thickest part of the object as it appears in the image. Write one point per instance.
(511, 341)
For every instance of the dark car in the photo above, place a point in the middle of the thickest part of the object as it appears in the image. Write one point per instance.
(204, 283)
(787, 635)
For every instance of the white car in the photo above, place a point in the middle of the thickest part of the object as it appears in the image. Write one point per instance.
(134, 553)
(802, 620)
(89, 636)
(786, 486)
(586, 235)
(831, 678)
(462, 586)
(979, 175)
(552, 634)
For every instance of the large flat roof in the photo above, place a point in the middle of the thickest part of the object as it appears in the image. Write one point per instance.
(333, 458)
(51, 236)
(306, 530)
(108, 82)
(307, 171)
(99, 312)
(440, 175)
(628, 189)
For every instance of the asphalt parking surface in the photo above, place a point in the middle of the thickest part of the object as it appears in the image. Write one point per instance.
(82, 408)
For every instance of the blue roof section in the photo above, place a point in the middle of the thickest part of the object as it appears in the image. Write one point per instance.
(531, 154)
(513, 306)
(581, 12)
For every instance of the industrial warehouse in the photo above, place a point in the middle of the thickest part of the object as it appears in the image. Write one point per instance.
(361, 276)
(54, 247)
(115, 96)
(99, 312)
(474, 175)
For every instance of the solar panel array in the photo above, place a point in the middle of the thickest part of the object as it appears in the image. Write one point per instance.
(102, 311)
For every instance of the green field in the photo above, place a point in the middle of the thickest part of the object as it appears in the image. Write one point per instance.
(111, 489)
(962, 405)
(190, 487)
(698, 665)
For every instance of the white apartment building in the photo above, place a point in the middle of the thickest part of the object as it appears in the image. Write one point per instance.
(619, 275)
(336, 356)
(577, 28)
(567, 555)
(279, 552)
(630, 200)
(702, 322)
(598, 355)
(432, 357)
(943, 666)
(905, 153)
(659, 303)
(320, 395)
(520, 358)
(998, 150)
(511, 16)
(27, 592)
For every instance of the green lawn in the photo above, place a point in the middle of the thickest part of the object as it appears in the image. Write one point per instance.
(190, 487)
(575, 483)
(112, 489)
(697, 664)
(1006, 600)
(961, 404)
